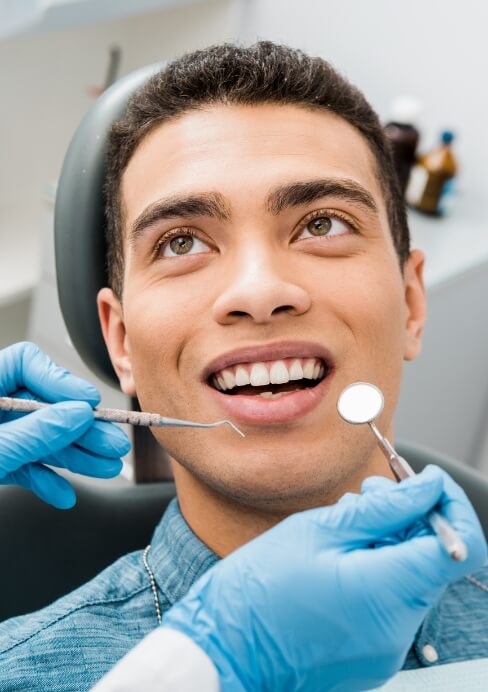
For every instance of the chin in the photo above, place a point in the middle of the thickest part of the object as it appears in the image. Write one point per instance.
(271, 485)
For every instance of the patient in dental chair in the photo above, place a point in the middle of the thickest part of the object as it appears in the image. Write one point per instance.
(259, 262)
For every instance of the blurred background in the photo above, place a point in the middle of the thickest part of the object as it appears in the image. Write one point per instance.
(422, 66)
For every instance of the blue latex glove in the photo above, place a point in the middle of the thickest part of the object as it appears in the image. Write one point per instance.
(65, 435)
(319, 602)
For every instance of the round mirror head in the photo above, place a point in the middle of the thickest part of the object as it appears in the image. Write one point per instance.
(360, 402)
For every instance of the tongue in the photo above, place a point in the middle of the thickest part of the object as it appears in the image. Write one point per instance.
(291, 386)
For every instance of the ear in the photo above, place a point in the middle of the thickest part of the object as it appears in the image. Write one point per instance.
(414, 303)
(111, 318)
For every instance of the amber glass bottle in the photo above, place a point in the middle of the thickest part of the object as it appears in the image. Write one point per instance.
(431, 178)
(403, 135)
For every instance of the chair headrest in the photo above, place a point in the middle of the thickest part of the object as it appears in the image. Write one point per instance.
(79, 223)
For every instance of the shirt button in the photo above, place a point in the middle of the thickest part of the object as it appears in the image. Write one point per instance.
(430, 654)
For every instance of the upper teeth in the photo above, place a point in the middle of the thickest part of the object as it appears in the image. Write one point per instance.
(273, 372)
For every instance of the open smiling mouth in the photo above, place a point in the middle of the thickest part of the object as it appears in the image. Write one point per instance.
(270, 379)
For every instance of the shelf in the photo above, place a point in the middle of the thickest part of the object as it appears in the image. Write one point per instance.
(453, 244)
(46, 15)
(20, 260)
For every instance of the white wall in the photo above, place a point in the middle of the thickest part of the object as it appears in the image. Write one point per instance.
(433, 49)
(44, 82)
(44, 92)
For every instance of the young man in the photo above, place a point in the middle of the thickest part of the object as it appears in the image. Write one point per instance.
(259, 261)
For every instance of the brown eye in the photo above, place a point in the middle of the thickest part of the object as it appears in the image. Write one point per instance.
(319, 226)
(181, 244)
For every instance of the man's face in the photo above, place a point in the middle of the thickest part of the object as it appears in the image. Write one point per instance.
(260, 235)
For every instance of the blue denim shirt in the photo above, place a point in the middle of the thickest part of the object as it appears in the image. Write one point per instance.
(72, 643)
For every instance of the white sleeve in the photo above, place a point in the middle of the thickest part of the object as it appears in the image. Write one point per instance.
(165, 660)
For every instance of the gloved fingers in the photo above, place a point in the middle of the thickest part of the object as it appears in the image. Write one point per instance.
(41, 433)
(419, 528)
(25, 365)
(19, 394)
(453, 504)
(102, 438)
(45, 483)
(105, 439)
(78, 461)
(369, 517)
(456, 507)
(422, 566)
(376, 483)
(6, 416)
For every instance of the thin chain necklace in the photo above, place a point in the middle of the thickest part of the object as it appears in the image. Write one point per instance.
(154, 588)
(153, 583)
(477, 583)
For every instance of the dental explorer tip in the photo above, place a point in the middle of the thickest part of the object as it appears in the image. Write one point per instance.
(234, 427)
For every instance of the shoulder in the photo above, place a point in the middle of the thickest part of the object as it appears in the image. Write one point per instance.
(465, 606)
(117, 584)
(71, 644)
(457, 626)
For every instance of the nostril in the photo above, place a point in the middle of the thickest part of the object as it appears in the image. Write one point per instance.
(283, 308)
(238, 313)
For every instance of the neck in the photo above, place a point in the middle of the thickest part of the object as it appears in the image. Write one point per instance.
(224, 525)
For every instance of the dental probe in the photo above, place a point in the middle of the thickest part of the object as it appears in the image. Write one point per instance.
(115, 415)
(362, 402)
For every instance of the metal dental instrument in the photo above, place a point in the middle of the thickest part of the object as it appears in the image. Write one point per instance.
(362, 402)
(115, 415)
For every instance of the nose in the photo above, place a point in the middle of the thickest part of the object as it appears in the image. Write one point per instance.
(260, 287)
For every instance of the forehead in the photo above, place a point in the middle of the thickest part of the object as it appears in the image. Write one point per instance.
(242, 151)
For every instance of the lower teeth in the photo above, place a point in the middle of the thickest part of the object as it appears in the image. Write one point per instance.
(270, 395)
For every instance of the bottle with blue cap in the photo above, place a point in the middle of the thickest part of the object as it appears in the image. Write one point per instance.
(431, 180)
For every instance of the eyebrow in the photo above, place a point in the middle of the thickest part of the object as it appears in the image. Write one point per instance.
(210, 204)
(301, 193)
(214, 205)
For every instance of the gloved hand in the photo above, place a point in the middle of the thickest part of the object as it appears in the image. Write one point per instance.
(313, 605)
(65, 435)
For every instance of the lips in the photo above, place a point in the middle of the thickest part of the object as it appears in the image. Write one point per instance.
(255, 404)
(271, 352)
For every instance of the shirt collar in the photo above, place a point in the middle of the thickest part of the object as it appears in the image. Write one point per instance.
(177, 558)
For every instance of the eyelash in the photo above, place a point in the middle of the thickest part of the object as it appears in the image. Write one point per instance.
(174, 233)
(329, 215)
(187, 231)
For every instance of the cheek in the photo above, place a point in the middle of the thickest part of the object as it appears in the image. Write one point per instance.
(375, 314)
(156, 327)
(368, 302)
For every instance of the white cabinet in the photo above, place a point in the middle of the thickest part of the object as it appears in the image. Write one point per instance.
(444, 396)
(19, 273)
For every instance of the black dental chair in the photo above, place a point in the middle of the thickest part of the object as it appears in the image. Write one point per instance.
(45, 553)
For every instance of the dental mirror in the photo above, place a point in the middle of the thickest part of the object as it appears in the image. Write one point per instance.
(360, 402)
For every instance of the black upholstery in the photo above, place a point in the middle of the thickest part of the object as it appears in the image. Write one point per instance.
(47, 552)
(79, 223)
